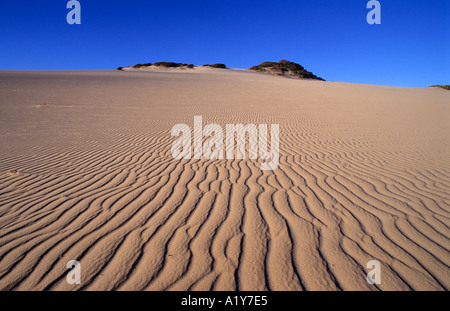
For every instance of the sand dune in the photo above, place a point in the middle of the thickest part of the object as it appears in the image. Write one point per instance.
(87, 174)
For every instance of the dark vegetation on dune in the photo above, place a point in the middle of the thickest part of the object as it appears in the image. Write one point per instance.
(445, 87)
(285, 68)
(222, 66)
(142, 65)
(172, 65)
(162, 64)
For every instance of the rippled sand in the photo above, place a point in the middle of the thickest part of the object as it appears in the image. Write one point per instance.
(87, 174)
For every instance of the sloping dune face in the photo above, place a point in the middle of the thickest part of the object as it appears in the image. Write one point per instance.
(87, 174)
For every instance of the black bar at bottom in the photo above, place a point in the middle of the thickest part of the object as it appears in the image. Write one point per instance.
(218, 300)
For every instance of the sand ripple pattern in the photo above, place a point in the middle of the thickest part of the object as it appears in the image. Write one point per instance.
(364, 174)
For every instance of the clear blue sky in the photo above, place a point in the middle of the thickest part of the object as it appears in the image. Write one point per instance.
(331, 38)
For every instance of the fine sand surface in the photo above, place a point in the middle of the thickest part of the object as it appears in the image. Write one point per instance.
(87, 174)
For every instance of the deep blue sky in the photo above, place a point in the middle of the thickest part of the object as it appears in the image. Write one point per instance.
(331, 38)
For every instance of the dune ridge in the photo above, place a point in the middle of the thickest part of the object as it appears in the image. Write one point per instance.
(87, 174)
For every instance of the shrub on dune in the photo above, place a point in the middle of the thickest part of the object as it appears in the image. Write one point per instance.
(221, 66)
(285, 68)
(445, 87)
